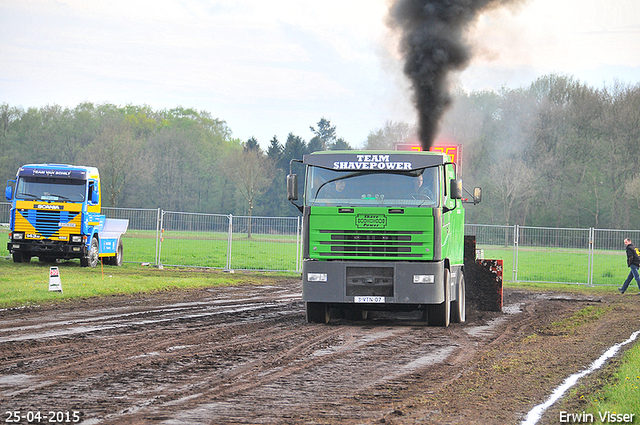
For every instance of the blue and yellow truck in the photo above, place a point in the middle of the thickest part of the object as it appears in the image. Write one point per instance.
(56, 214)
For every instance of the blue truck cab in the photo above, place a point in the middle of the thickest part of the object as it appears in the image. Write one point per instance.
(56, 214)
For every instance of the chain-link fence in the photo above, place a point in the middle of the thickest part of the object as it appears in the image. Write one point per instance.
(540, 254)
(609, 261)
(226, 242)
(229, 242)
(530, 254)
(142, 238)
(5, 209)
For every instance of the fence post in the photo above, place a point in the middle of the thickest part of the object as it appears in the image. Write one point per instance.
(592, 237)
(229, 241)
(298, 246)
(158, 226)
(160, 239)
(516, 236)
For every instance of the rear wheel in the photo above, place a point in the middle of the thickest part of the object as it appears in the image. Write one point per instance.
(317, 313)
(117, 259)
(439, 314)
(458, 307)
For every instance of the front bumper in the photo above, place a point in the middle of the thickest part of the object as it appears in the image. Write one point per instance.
(383, 283)
(47, 248)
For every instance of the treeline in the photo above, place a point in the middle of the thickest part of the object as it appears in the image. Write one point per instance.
(557, 153)
(179, 159)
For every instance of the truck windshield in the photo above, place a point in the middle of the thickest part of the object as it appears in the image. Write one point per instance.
(417, 188)
(51, 189)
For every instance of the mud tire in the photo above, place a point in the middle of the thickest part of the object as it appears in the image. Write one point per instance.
(117, 259)
(355, 314)
(21, 257)
(317, 313)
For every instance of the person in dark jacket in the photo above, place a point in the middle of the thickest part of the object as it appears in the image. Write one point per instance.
(633, 262)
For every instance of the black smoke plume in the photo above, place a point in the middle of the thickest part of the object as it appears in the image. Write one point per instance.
(433, 45)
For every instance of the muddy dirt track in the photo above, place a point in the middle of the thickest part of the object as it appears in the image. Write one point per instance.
(245, 355)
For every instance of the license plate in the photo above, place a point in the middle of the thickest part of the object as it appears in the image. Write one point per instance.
(370, 300)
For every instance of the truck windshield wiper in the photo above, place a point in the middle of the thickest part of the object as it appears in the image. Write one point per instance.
(28, 194)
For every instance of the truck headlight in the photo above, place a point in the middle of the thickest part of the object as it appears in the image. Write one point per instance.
(76, 238)
(316, 277)
(424, 278)
(18, 236)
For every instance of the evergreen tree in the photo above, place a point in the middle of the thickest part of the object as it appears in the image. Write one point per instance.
(252, 145)
(294, 148)
(275, 150)
(340, 145)
(324, 136)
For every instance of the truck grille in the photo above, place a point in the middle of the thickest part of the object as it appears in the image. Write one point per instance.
(47, 223)
(372, 243)
(370, 281)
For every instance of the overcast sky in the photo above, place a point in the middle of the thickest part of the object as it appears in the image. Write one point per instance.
(273, 67)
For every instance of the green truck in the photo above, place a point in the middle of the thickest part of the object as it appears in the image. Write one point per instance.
(383, 230)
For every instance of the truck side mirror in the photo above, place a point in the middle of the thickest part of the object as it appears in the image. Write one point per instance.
(292, 187)
(95, 196)
(456, 189)
(477, 195)
(8, 193)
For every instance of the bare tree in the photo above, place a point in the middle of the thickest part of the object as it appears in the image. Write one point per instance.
(114, 152)
(514, 184)
(632, 189)
(252, 172)
(387, 137)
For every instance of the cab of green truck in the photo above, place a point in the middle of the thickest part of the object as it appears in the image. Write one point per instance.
(383, 230)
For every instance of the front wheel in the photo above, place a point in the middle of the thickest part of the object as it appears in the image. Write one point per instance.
(355, 314)
(439, 314)
(317, 313)
(92, 257)
(21, 257)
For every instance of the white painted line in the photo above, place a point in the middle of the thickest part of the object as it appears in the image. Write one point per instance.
(536, 413)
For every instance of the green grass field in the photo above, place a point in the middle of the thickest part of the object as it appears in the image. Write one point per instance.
(622, 394)
(261, 252)
(28, 284)
(560, 265)
(205, 249)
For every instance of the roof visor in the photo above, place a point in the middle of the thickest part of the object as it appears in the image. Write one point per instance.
(52, 172)
(375, 161)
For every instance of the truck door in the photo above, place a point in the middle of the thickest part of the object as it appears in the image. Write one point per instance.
(453, 219)
(93, 196)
